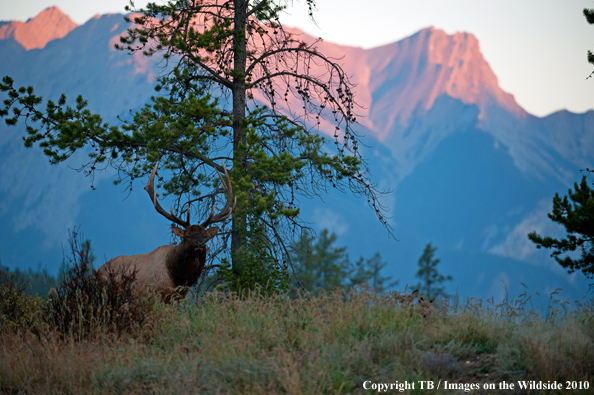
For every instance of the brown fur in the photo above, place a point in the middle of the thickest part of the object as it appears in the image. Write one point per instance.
(168, 270)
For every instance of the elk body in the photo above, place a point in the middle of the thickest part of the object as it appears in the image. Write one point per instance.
(170, 270)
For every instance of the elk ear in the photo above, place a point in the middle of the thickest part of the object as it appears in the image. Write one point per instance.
(178, 231)
(211, 232)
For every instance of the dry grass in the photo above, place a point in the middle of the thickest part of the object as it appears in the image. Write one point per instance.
(328, 344)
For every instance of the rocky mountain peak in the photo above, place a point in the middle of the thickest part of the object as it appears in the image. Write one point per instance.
(429, 64)
(35, 33)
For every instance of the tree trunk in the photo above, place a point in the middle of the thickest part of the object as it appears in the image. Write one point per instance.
(239, 103)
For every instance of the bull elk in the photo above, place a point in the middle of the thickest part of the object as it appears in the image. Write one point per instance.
(170, 270)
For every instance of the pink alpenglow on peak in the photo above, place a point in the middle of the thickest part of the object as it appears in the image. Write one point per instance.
(49, 25)
(464, 73)
(393, 84)
(427, 65)
(396, 82)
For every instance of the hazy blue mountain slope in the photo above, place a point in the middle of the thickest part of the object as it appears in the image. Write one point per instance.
(465, 195)
(467, 185)
(85, 62)
(41, 202)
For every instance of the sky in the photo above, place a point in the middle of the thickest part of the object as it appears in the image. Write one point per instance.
(537, 48)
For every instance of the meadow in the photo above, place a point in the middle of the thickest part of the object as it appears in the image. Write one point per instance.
(331, 343)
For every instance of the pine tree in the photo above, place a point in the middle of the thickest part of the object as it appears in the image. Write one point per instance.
(431, 279)
(238, 88)
(320, 264)
(368, 272)
(576, 213)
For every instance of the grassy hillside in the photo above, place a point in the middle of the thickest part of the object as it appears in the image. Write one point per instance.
(334, 343)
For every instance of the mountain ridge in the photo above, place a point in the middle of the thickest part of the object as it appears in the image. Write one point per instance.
(50, 24)
(399, 82)
(431, 63)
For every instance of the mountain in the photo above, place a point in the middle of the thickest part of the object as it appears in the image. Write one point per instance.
(49, 25)
(470, 170)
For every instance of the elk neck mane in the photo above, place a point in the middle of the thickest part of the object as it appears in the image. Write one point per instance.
(185, 264)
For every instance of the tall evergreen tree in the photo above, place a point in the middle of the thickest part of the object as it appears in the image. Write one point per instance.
(238, 88)
(320, 264)
(576, 213)
(431, 279)
(368, 271)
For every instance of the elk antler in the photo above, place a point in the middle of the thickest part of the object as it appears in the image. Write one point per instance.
(222, 215)
(150, 188)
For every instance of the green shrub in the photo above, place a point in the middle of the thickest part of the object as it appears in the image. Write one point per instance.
(86, 303)
(254, 268)
(18, 311)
